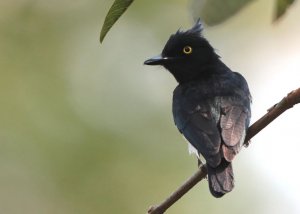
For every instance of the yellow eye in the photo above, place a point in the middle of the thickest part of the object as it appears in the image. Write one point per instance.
(187, 50)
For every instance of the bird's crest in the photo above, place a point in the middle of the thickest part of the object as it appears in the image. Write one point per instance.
(196, 30)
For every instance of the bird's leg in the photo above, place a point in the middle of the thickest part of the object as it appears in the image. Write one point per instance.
(199, 161)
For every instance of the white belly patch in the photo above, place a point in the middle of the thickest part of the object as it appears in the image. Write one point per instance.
(192, 150)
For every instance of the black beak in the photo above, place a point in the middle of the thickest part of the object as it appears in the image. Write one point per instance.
(157, 60)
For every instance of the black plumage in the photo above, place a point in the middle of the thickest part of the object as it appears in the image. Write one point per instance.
(211, 104)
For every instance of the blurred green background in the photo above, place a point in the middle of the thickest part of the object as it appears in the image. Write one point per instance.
(86, 128)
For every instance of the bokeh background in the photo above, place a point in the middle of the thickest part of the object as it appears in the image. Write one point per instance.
(86, 128)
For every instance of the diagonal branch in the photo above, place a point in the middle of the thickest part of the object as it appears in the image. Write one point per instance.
(286, 103)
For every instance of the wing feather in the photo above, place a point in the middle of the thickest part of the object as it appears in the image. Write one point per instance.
(233, 124)
(200, 128)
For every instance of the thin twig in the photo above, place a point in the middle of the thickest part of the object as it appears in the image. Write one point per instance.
(192, 181)
(287, 102)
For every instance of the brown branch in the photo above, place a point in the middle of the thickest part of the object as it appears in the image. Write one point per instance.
(184, 188)
(286, 103)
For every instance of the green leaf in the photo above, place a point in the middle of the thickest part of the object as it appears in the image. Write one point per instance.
(216, 11)
(114, 13)
(281, 7)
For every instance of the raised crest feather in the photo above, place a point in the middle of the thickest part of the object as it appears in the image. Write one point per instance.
(196, 29)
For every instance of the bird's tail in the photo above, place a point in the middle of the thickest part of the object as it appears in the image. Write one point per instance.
(220, 179)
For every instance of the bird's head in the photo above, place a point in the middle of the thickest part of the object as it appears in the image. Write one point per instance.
(185, 54)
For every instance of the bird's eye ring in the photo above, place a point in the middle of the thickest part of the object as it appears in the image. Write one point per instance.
(187, 50)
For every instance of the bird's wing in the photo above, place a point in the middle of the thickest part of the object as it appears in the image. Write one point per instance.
(233, 123)
(199, 126)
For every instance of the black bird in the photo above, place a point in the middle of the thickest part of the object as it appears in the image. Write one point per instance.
(211, 104)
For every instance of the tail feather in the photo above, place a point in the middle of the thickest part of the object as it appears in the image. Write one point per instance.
(220, 179)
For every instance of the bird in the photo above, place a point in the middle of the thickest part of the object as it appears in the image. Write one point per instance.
(211, 104)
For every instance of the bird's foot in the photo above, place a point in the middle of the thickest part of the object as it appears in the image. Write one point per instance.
(200, 164)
